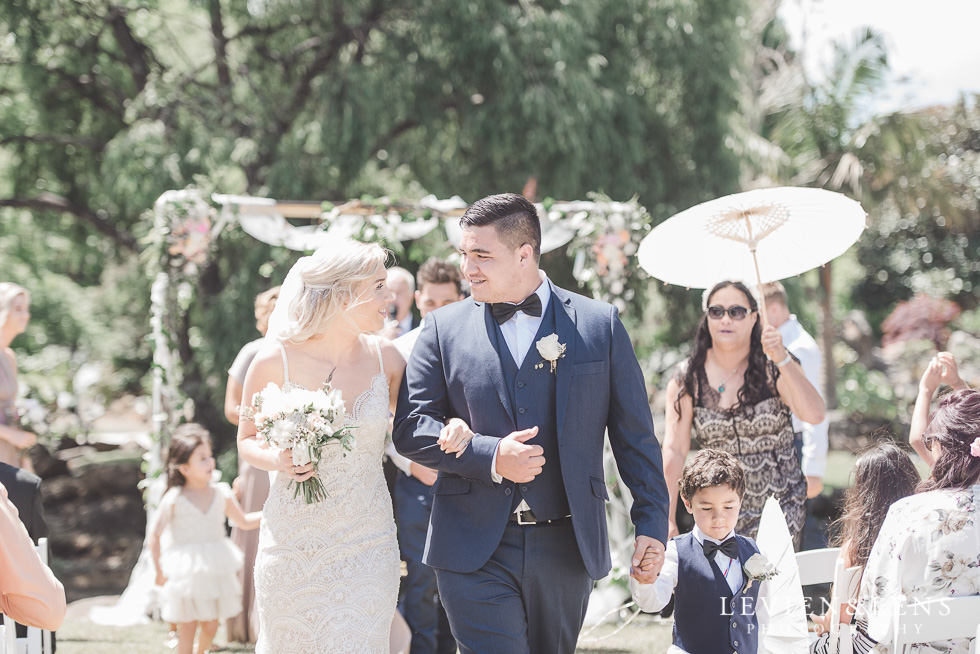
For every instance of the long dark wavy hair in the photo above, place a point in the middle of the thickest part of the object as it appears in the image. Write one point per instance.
(186, 438)
(755, 385)
(955, 426)
(883, 474)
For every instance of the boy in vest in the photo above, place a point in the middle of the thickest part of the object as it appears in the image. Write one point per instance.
(716, 605)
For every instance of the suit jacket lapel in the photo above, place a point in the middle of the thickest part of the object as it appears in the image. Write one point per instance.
(565, 328)
(488, 351)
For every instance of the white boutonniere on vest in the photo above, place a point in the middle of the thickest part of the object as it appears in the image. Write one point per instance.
(304, 421)
(550, 350)
(758, 568)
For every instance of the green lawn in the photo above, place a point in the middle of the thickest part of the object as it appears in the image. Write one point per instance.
(645, 635)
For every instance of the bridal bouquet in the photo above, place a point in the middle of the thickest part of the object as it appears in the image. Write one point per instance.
(305, 421)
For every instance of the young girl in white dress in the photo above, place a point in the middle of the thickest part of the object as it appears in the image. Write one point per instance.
(199, 568)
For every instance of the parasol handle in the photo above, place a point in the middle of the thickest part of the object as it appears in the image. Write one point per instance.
(762, 299)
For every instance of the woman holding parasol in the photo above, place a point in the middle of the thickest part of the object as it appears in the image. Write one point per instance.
(738, 390)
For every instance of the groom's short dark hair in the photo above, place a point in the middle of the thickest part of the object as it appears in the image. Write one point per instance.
(513, 216)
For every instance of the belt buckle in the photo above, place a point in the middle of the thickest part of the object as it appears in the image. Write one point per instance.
(520, 518)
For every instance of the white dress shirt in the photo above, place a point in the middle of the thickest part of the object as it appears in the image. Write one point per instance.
(654, 597)
(815, 440)
(519, 333)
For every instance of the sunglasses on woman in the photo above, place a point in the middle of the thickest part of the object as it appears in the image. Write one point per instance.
(716, 312)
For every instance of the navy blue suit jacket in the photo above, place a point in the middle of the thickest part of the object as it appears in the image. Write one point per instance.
(455, 371)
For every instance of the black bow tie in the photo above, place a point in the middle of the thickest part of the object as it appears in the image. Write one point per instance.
(729, 548)
(504, 311)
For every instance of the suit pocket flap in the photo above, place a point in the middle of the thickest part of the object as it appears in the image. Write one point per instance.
(450, 486)
(599, 488)
(590, 368)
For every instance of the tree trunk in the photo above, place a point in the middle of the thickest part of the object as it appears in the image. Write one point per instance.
(827, 339)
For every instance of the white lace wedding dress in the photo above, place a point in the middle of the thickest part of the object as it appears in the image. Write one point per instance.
(326, 574)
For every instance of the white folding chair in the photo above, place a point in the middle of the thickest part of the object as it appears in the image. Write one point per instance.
(37, 641)
(817, 566)
(847, 583)
(937, 619)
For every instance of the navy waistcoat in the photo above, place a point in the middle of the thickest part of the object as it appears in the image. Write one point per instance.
(708, 618)
(532, 394)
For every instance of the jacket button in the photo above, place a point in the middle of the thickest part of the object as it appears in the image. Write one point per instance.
(520, 384)
(734, 625)
(507, 492)
(522, 411)
(735, 643)
(524, 489)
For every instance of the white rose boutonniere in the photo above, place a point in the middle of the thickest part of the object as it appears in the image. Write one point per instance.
(758, 568)
(550, 350)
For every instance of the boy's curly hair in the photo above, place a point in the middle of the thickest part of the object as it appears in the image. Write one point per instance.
(712, 468)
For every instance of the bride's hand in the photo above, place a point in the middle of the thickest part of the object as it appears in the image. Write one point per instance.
(294, 472)
(455, 437)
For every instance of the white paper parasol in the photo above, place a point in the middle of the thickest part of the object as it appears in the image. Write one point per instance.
(765, 235)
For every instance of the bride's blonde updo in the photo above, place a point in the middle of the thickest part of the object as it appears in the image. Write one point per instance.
(335, 276)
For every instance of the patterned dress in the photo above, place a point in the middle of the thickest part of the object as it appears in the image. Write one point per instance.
(928, 548)
(760, 436)
(326, 574)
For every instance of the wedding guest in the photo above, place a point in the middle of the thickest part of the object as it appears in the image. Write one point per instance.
(439, 284)
(400, 318)
(251, 486)
(739, 390)
(929, 544)
(199, 568)
(715, 609)
(24, 491)
(941, 370)
(811, 440)
(883, 474)
(14, 316)
(29, 592)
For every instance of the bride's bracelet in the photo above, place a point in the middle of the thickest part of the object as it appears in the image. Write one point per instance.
(246, 415)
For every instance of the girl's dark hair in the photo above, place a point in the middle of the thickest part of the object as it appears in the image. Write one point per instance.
(186, 438)
(955, 426)
(756, 381)
(883, 474)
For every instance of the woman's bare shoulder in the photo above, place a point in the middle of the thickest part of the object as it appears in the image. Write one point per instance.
(392, 358)
(267, 366)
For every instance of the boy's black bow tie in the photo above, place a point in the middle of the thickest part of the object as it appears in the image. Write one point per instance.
(729, 548)
(503, 311)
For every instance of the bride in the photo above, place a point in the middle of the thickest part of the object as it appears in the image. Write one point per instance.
(326, 574)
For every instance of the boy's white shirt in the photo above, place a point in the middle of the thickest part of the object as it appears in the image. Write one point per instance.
(654, 597)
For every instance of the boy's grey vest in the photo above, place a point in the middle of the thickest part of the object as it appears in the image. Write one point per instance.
(708, 618)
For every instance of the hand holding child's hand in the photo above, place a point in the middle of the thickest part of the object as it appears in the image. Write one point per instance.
(648, 559)
(161, 580)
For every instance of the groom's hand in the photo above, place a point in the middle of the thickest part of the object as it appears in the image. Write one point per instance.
(518, 461)
(648, 559)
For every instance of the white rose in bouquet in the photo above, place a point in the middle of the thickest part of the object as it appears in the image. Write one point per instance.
(303, 421)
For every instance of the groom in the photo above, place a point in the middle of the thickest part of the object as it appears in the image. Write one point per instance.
(518, 527)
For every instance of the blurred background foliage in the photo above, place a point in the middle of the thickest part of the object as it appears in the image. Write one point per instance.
(106, 104)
